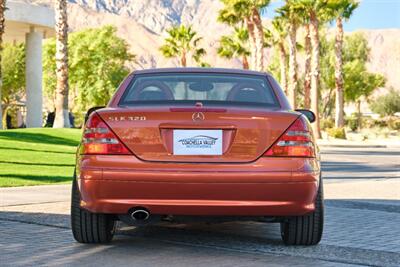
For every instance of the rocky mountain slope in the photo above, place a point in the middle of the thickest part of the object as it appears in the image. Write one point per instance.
(156, 15)
(385, 54)
(143, 23)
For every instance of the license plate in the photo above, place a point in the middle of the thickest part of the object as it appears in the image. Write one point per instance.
(197, 142)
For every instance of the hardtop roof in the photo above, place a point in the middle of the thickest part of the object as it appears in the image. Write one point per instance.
(199, 70)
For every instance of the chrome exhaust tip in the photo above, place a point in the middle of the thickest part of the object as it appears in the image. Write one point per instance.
(140, 215)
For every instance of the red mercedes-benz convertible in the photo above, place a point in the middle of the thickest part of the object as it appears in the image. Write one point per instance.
(204, 144)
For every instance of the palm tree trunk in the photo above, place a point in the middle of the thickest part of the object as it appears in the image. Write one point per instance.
(292, 65)
(4, 111)
(339, 121)
(359, 116)
(184, 64)
(61, 119)
(183, 59)
(259, 40)
(283, 65)
(245, 62)
(315, 73)
(252, 42)
(2, 19)
(307, 67)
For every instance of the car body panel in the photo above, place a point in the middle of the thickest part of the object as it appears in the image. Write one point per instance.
(265, 187)
(240, 182)
(247, 133)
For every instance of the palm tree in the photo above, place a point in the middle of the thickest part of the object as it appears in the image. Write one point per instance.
(2, 19)
(316, 11)
(248, 12)
(290, 14)
(305, 21)
(235, 45)
(61, 119)
(342, 9)
(276, 36)
(182, 42)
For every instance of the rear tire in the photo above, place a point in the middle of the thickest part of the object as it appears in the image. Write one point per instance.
(88, 227)
(305, 230)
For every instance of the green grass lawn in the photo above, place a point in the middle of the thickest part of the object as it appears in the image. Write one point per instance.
(37, 156)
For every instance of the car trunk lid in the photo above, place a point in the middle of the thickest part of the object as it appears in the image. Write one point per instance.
(239, 134)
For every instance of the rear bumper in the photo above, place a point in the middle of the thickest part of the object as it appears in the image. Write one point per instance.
(207, 192)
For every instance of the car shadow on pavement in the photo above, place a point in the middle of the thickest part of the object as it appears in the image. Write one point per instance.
(37, 245)
(271, 232)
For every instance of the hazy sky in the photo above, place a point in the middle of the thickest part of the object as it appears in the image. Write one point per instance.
(371, 14)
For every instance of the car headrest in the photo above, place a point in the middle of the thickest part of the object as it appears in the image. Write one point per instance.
(162, 92)
(248, 95)
(247, 92)
(152, 95)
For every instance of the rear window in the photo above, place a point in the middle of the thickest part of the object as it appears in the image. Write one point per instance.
(185, 88)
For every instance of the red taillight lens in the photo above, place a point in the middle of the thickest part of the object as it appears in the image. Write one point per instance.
(99, 139)
(297, 141)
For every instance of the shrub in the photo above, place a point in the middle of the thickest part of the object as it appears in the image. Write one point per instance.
(394, 124)
(352, 122)
(79, 119)
(380, 123)
(339, 133)
(11, 120)
(387, 105)
(368, 122)
(327, 123)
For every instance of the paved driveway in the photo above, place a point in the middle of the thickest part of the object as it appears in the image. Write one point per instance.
(362, 227)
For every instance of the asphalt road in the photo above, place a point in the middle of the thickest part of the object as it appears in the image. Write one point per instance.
(362, 214)
(360, 164)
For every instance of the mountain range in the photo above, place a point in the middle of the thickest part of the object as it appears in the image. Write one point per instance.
(143, 24)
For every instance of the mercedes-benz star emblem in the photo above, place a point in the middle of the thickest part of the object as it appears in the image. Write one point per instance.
(198, 116)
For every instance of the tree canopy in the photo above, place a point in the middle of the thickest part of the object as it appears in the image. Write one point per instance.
(13, 66)
(97, 65)
(182, 42)
(247, 13)
(358, 81)
(388, 104)
(235, 45)
(236, 11)
(341, 8)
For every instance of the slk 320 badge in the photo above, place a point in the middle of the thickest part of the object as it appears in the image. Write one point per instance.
(127, 118)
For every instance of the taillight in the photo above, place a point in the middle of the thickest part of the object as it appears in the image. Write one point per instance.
(99, 139)
(297, 141)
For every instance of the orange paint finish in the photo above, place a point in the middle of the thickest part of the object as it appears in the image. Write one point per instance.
(255, 130)
(239, 199)
(132, 164)
(243, 181)
(115, 184)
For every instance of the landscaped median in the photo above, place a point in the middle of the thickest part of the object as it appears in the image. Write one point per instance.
(37, 156)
